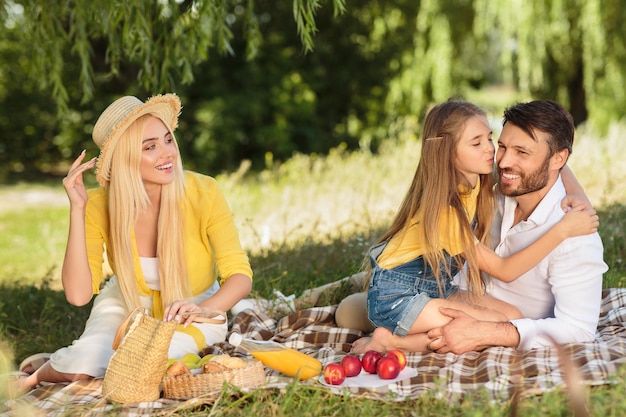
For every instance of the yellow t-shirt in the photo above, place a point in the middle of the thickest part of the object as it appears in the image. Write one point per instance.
(212, 245)
(410, 242)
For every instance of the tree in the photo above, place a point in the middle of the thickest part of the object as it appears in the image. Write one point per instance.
(572, 51)
(262, 80)
(284, 101)
(164, 40)
(56, 54)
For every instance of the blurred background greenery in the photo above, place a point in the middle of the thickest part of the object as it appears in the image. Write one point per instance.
(261, 81)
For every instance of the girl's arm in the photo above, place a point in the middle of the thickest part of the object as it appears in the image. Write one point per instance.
(575, 193)
(578, 221)
(75, 273)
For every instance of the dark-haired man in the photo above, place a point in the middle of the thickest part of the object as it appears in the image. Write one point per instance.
(560, 297)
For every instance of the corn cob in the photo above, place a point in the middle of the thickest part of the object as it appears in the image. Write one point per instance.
(280, 358)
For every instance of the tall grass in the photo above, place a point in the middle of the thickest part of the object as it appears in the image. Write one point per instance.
(314, 199)
(314, 196)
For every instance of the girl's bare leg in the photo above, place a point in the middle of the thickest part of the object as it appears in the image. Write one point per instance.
(382, 340)
(495, 308)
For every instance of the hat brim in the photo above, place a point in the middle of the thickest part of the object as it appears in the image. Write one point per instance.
(165, 107)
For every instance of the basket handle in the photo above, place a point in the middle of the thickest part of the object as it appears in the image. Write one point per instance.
(211, 319)
(123, 328)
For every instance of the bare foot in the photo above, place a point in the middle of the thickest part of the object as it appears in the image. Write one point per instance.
(357, 345)
(34, 362)
(378, 342)
(18, 385)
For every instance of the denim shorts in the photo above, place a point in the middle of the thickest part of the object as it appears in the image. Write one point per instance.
(396, 296)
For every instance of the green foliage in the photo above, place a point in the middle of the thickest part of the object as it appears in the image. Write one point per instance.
(27, 119)
(163, 40)
(261, 81)
(322, 260)
(572, 51)
(285, 102)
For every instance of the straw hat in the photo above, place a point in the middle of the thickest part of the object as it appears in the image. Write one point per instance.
(120, 114)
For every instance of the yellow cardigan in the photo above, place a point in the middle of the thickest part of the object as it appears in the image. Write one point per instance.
(212, 245)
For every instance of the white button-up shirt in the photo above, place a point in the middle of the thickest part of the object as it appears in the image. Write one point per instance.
(559, 297)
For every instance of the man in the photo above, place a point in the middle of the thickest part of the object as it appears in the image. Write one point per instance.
(560, 297)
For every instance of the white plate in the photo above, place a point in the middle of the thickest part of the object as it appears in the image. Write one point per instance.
(367, 380)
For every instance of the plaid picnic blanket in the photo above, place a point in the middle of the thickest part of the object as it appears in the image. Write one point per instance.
(500, 372)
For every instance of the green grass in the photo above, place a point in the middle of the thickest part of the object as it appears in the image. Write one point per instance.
(31, 238)
(305, 222)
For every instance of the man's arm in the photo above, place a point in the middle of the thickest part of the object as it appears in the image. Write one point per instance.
(575, 278)
(576, 283)
(464, 333)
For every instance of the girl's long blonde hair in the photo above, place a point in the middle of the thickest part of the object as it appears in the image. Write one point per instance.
(127, 199)
(435, 188)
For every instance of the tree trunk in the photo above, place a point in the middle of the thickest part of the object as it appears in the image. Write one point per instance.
(577, 96)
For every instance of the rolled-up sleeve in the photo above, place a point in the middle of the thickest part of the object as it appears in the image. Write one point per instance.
(223, 234)
(575, 276)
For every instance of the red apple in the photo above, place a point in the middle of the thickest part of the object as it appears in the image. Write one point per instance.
(398, 354)
(369, 360)
(388, 367)
(334, 374)
(352, 365)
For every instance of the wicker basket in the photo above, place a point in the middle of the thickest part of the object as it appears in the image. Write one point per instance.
(136, 368)
(210, 385)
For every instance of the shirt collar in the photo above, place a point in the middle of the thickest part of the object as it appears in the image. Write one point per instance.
(547, 205)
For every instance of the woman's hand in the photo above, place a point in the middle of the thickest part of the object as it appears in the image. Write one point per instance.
(73, 182)
(230, 292)
(180, 311)
(579, 221)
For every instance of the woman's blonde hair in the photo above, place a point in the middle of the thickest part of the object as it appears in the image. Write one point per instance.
(127, 199)
(435, 188)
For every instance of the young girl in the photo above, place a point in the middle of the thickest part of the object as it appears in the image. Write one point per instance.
(168, 235)
(442, 226)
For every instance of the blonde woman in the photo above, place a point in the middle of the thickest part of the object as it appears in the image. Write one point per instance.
(442, 226)
(168, 235)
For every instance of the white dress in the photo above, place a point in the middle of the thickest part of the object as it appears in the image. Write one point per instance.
(91, 352)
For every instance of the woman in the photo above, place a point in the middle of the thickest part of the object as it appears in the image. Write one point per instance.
(167, 234)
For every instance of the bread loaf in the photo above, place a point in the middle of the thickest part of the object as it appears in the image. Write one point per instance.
(177, 368)
(228, 361)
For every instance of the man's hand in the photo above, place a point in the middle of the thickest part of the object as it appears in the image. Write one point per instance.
(464, 334)
(458, 336)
